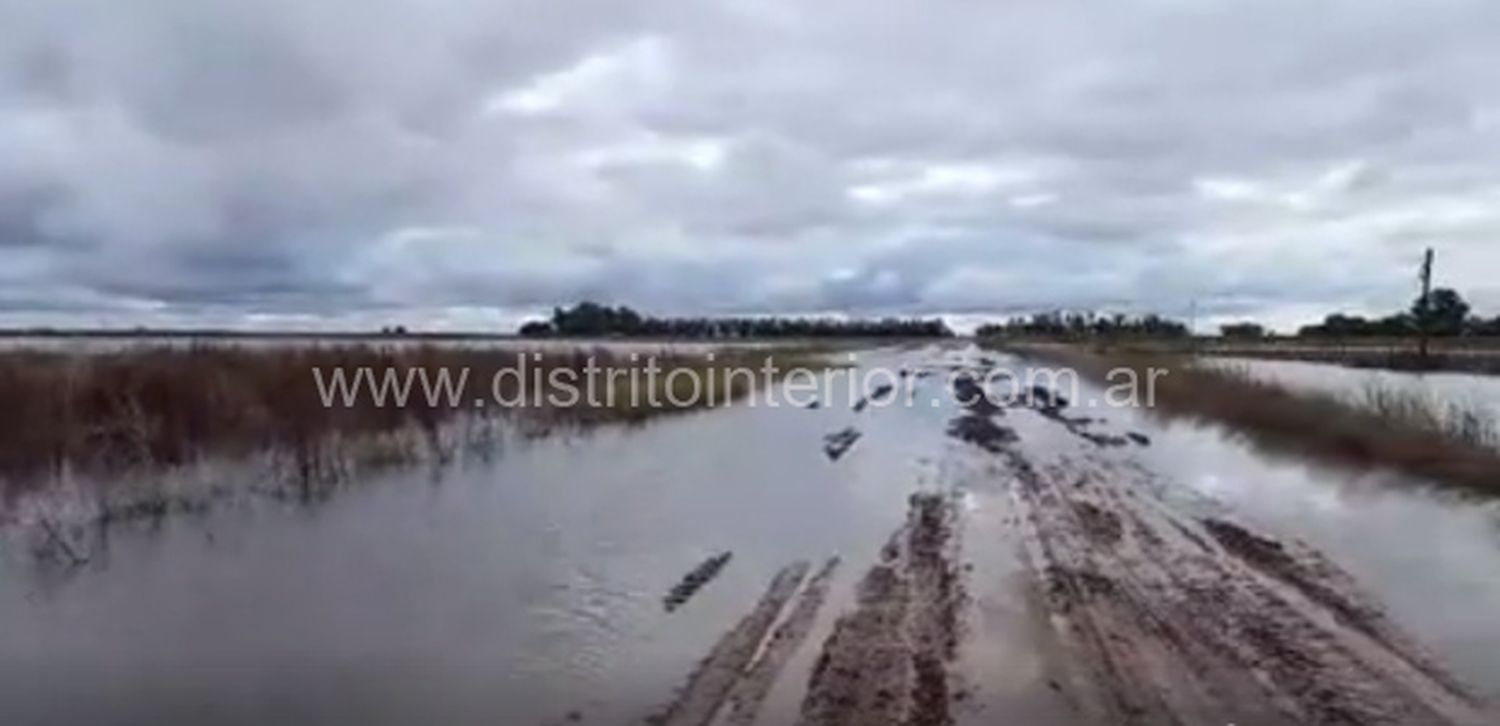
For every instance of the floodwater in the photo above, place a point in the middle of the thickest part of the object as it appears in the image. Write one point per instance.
(1470, 391)
(529, 589)
(115, 343)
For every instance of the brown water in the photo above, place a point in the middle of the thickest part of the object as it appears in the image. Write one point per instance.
(529, 590)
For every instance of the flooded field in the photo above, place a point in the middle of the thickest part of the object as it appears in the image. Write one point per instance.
(115, 343)
(887, 557)
(1476, 391)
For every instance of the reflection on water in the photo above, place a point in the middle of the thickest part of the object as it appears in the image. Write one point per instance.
(1464, 389)
(531, 588)
(527, 589)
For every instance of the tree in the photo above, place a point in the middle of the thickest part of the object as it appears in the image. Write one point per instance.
(593, 319)
(1443, 312)
(536, 328)
(1243, 331)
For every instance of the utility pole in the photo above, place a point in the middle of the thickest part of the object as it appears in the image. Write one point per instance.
(1424, 307)
(1193, 325)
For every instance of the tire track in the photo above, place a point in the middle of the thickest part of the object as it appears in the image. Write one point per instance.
(887, 661)
(750, 691)
(710, 683)
(1159, 625)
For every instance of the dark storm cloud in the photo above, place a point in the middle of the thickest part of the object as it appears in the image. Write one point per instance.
(341, 159)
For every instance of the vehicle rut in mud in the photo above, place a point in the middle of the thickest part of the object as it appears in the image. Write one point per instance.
(888, 661)
(1158, 618)
(1147, 614)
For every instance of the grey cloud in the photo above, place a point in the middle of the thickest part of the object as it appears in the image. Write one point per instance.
(241, 159)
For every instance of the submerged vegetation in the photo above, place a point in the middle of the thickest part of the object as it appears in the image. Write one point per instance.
(1444, 443)
(100, 415)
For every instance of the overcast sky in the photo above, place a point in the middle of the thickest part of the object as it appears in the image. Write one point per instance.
(463, 163)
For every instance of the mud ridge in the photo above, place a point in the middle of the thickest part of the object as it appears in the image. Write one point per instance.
(710, 683)
(694, 581)
(887, 661)
(1325, 584)
(836, 444)
(981, 431)
(880, 394)
(1154, 626)
(973, 397)
(1050, 405)
(750, 692)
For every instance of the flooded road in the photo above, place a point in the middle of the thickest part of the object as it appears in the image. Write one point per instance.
(947, 565)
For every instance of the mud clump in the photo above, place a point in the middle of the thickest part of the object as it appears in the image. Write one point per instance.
(982, 431)
(836, 444)
(878, 395)
(1045, 398)
(694, 580)
(1260, 551)
(1140, 439)
(973, 397)
(1069, 588)
(1103, 441)
(1102, 525)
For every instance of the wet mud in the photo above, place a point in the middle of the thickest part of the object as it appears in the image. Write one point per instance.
(836, 444)
(1154, 620)
(878, 395)
(748, 695)
(1051, 406)
(732, 681)
(1144, 614)
(694, 581)
(709, 685)
(1132, 606)
(888, 661)
(981, 431)
(973, 397)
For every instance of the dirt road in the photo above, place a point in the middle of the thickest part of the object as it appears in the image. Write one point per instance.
(1145, 613)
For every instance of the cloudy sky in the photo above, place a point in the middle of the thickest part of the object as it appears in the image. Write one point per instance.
(463, 163)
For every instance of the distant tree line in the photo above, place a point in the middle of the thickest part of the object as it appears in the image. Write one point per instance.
(1443, 313)
(1084, 324)
(589, 319)
(1243, 331)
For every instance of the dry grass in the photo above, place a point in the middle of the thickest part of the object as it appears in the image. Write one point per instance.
(104, 414)
(1447, 444)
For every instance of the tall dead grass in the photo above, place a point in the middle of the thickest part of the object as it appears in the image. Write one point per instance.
(1445, 443)
(100, 414)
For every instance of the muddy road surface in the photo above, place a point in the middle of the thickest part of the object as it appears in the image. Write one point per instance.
(1140, 611)
(991, 551)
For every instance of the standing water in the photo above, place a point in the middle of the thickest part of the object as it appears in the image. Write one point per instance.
(531, 589)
